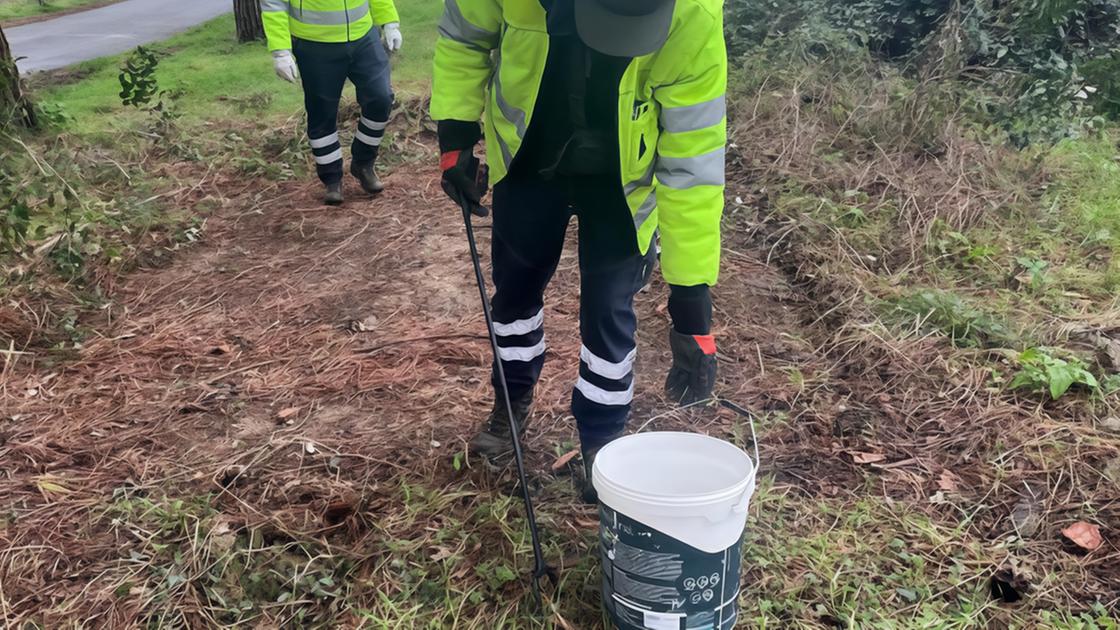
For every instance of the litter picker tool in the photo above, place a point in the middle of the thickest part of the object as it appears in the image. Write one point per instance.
(540, 567)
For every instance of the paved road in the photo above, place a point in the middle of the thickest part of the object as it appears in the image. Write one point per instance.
(106, 31)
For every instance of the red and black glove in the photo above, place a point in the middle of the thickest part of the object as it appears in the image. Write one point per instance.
(464, 176)
(464, 179)
(693, 374)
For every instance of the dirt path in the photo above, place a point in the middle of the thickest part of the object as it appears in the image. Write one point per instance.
(296, 391)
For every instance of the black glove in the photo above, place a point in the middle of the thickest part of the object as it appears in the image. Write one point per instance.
(693, 374)
(464, 179)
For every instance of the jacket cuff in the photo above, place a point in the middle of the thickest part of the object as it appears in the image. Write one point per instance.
(690, 308)
(457, 135)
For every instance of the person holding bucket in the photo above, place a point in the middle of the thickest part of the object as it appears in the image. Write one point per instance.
(612, 111)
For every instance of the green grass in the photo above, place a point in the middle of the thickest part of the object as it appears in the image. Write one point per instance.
(217, 79)
(14, 9)
(456, 556)
(1087, 191)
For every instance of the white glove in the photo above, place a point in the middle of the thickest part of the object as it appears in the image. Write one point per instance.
(392, 34)
(285, 65)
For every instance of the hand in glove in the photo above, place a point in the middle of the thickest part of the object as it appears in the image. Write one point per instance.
(693, 374)
(285, 65)
(464, 179)
(392, 34)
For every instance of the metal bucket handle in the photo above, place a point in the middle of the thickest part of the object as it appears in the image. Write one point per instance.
(744, 503)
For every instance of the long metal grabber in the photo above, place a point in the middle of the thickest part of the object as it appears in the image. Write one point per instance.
(540, 567)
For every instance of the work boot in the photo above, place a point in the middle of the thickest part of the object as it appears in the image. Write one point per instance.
(586, 487)
(367, 177)
(693, 374)
(494, 441)
(333, 194)
(587, 491)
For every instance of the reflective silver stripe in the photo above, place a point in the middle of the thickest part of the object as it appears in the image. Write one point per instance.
(274, 5)
(325, 141)
(645, 210)
(329, 158)
(328, 18)
(693, 117)
(520, 327)
(509, 112)
(374, 126)
(605, 368)
(643, 181)
(698, 170)
(521, 354)
(370, 140)
(599, 395)
(454, 26)
(507, 156)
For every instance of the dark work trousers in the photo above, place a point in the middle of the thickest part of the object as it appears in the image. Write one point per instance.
(323, 69)
(531, 216)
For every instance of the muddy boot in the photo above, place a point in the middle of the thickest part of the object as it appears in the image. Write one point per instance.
(332, 196)
(367, 177)
(494, 442)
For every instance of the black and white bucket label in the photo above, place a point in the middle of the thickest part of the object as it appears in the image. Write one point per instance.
(652, 581)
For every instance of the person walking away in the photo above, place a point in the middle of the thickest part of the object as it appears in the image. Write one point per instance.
(323, 43)
(612, 111)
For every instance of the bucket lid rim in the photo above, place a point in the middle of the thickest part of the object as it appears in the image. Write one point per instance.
(716, 497)
(674, 500)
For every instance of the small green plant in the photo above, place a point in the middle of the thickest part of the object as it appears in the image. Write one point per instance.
(1037, 270)
(52, 114)
(1041, 371)
(138, 78)
(496, 574)
(140, 89)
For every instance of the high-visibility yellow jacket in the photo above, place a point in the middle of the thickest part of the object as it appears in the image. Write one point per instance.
(332, 21)
(489, 61)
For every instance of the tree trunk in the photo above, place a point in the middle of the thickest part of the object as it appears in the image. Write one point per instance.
(12, 99)
(247, 14)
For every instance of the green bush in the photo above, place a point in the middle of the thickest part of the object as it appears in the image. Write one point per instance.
(1052, 65)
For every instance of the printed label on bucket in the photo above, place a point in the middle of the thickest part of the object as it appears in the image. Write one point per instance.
(654, 582)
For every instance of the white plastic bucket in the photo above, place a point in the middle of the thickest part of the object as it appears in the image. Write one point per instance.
(673, 507)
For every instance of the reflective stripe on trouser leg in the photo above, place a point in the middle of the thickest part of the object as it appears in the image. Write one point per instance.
(602, 396)
(326, 150)
(369, 71)
(604, 382)
(521, 347)
(327, 153)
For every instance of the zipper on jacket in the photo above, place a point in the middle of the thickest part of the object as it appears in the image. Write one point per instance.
(347, 10)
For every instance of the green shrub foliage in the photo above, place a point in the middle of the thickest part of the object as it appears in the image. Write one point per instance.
(1054, 64)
